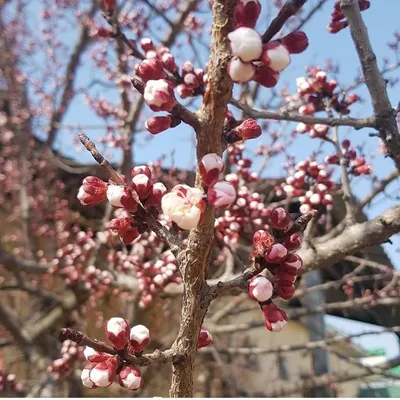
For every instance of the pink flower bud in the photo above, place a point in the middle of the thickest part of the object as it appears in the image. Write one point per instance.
(276, 254)
(92, 191)
(142, 185)
(302, 127)
(260, 289)
(95, 356)
(139, 338)
(150, 69)
(246, 44)
(146, 44)
(232, 178)
(191, 81)
(335, 27)
(210, 166)
(221, 194)
(85, 376)
(130, 378)
(158, 124)
(275, 56)
(248, 129)
(295, 42)
(121, 196)
(280, 218)
(315, 199)
(184, 91)
(293, 242)
(205, 339)
(319, 130)
(240, 71)
(275, 318)
(293, 263)
(168, 61)
(247, 13)
(266, 76)
(159, 95)
(284, 289)
(157, 192)
(117, 330)
(262, 241)
(303, 86)
(141, 169)
(103, 373)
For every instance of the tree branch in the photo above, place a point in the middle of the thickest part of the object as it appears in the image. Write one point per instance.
(384, 113)
(354, 238)
(357, 123)
(157, 356)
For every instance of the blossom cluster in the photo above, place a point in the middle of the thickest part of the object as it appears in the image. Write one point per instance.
(316, 91)
(338, 21)
(140, 189)
(71, 262)
(254, 60)
(70, 353)
(357, 165)
(104, 367)
(9, 384)
(275, 252)
(184, 205)
(311, 183)
(157, 77)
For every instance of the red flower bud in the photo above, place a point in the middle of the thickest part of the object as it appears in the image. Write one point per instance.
(117, 330)
(247, 13)
(130, 378)
(284, 289)
(109, 5)
(205, 339)
(139, 338)
(157, 192)
(210, 167)
(275, 318)
(141, 183)
(156, 125)
(276, 254)
(266, 77)
(280, 218)
(121, 196)
(103, 373)
(92, 191)
(260, 289)
(150, 69)
(293, 242)
(248, 129)
(95, 356)
(168, 61)
(295, 42)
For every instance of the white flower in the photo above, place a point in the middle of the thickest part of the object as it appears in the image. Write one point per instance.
(246, 43)
(184, 206)
(276, 56)
(159, 95)
(240, 71)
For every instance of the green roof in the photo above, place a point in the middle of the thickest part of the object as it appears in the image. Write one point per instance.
(393, 392)
(376, 352)
(395, 370)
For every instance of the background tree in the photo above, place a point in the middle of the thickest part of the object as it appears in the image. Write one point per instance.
(121, 248)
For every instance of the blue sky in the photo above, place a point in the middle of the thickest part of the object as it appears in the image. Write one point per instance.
(382, 21)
